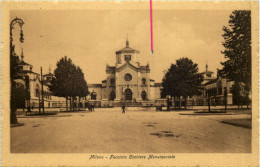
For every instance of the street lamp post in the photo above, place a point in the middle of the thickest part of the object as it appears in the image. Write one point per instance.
(13, 67)
(13, 22)
(39, 102)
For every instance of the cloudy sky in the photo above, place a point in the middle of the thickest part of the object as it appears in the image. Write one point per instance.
(91, 38)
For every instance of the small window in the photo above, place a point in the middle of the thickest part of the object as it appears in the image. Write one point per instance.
(127, 57)
(112, 82)
(143, 81)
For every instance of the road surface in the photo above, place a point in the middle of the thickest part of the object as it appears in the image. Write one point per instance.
(107, 130)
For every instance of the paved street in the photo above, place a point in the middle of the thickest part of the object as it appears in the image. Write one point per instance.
(140, 130)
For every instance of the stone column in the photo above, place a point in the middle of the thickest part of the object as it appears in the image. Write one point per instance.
(138, 98)
(118, 89)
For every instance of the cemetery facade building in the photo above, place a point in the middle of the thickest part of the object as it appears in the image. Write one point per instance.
(127, 81)
(213, 90)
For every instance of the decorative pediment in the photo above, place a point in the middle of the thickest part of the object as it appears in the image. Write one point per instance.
(127, 65)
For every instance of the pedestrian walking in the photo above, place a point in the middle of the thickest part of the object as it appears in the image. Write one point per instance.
(123, 108)
(89, 107)
(93, 107)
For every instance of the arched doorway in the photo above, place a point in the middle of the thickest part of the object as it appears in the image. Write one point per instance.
(143, 94)
(112, 95)
(93, 96)
(128, 94)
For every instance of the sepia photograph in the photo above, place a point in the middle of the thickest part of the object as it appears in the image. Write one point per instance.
(140, 81)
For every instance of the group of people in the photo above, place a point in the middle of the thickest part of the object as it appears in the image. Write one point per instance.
(29, 108)
(91, 107)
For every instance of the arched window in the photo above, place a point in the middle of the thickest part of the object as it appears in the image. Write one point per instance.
(112, 95)
(37, 91)
(143, 81)
(112, 82)
(93, 96)
(143, 94)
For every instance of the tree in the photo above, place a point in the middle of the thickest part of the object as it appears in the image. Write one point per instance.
(237, 43)
(182, 80)
(81, 88)
(170, 83)
(61, 82)
(68, 81)
(240, 95)
(14, 74)
(82, 84)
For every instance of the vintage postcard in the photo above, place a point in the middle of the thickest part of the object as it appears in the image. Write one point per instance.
(129, 83)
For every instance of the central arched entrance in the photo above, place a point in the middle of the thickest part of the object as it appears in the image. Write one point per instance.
(128, 94)
(112, 95)
(143, 94)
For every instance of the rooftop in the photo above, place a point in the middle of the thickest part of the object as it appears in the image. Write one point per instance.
(24, 63)
(207, 71)
(27, 71)
(127, 49)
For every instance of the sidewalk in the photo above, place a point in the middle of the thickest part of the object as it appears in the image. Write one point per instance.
(216, 107)
(245, 123)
